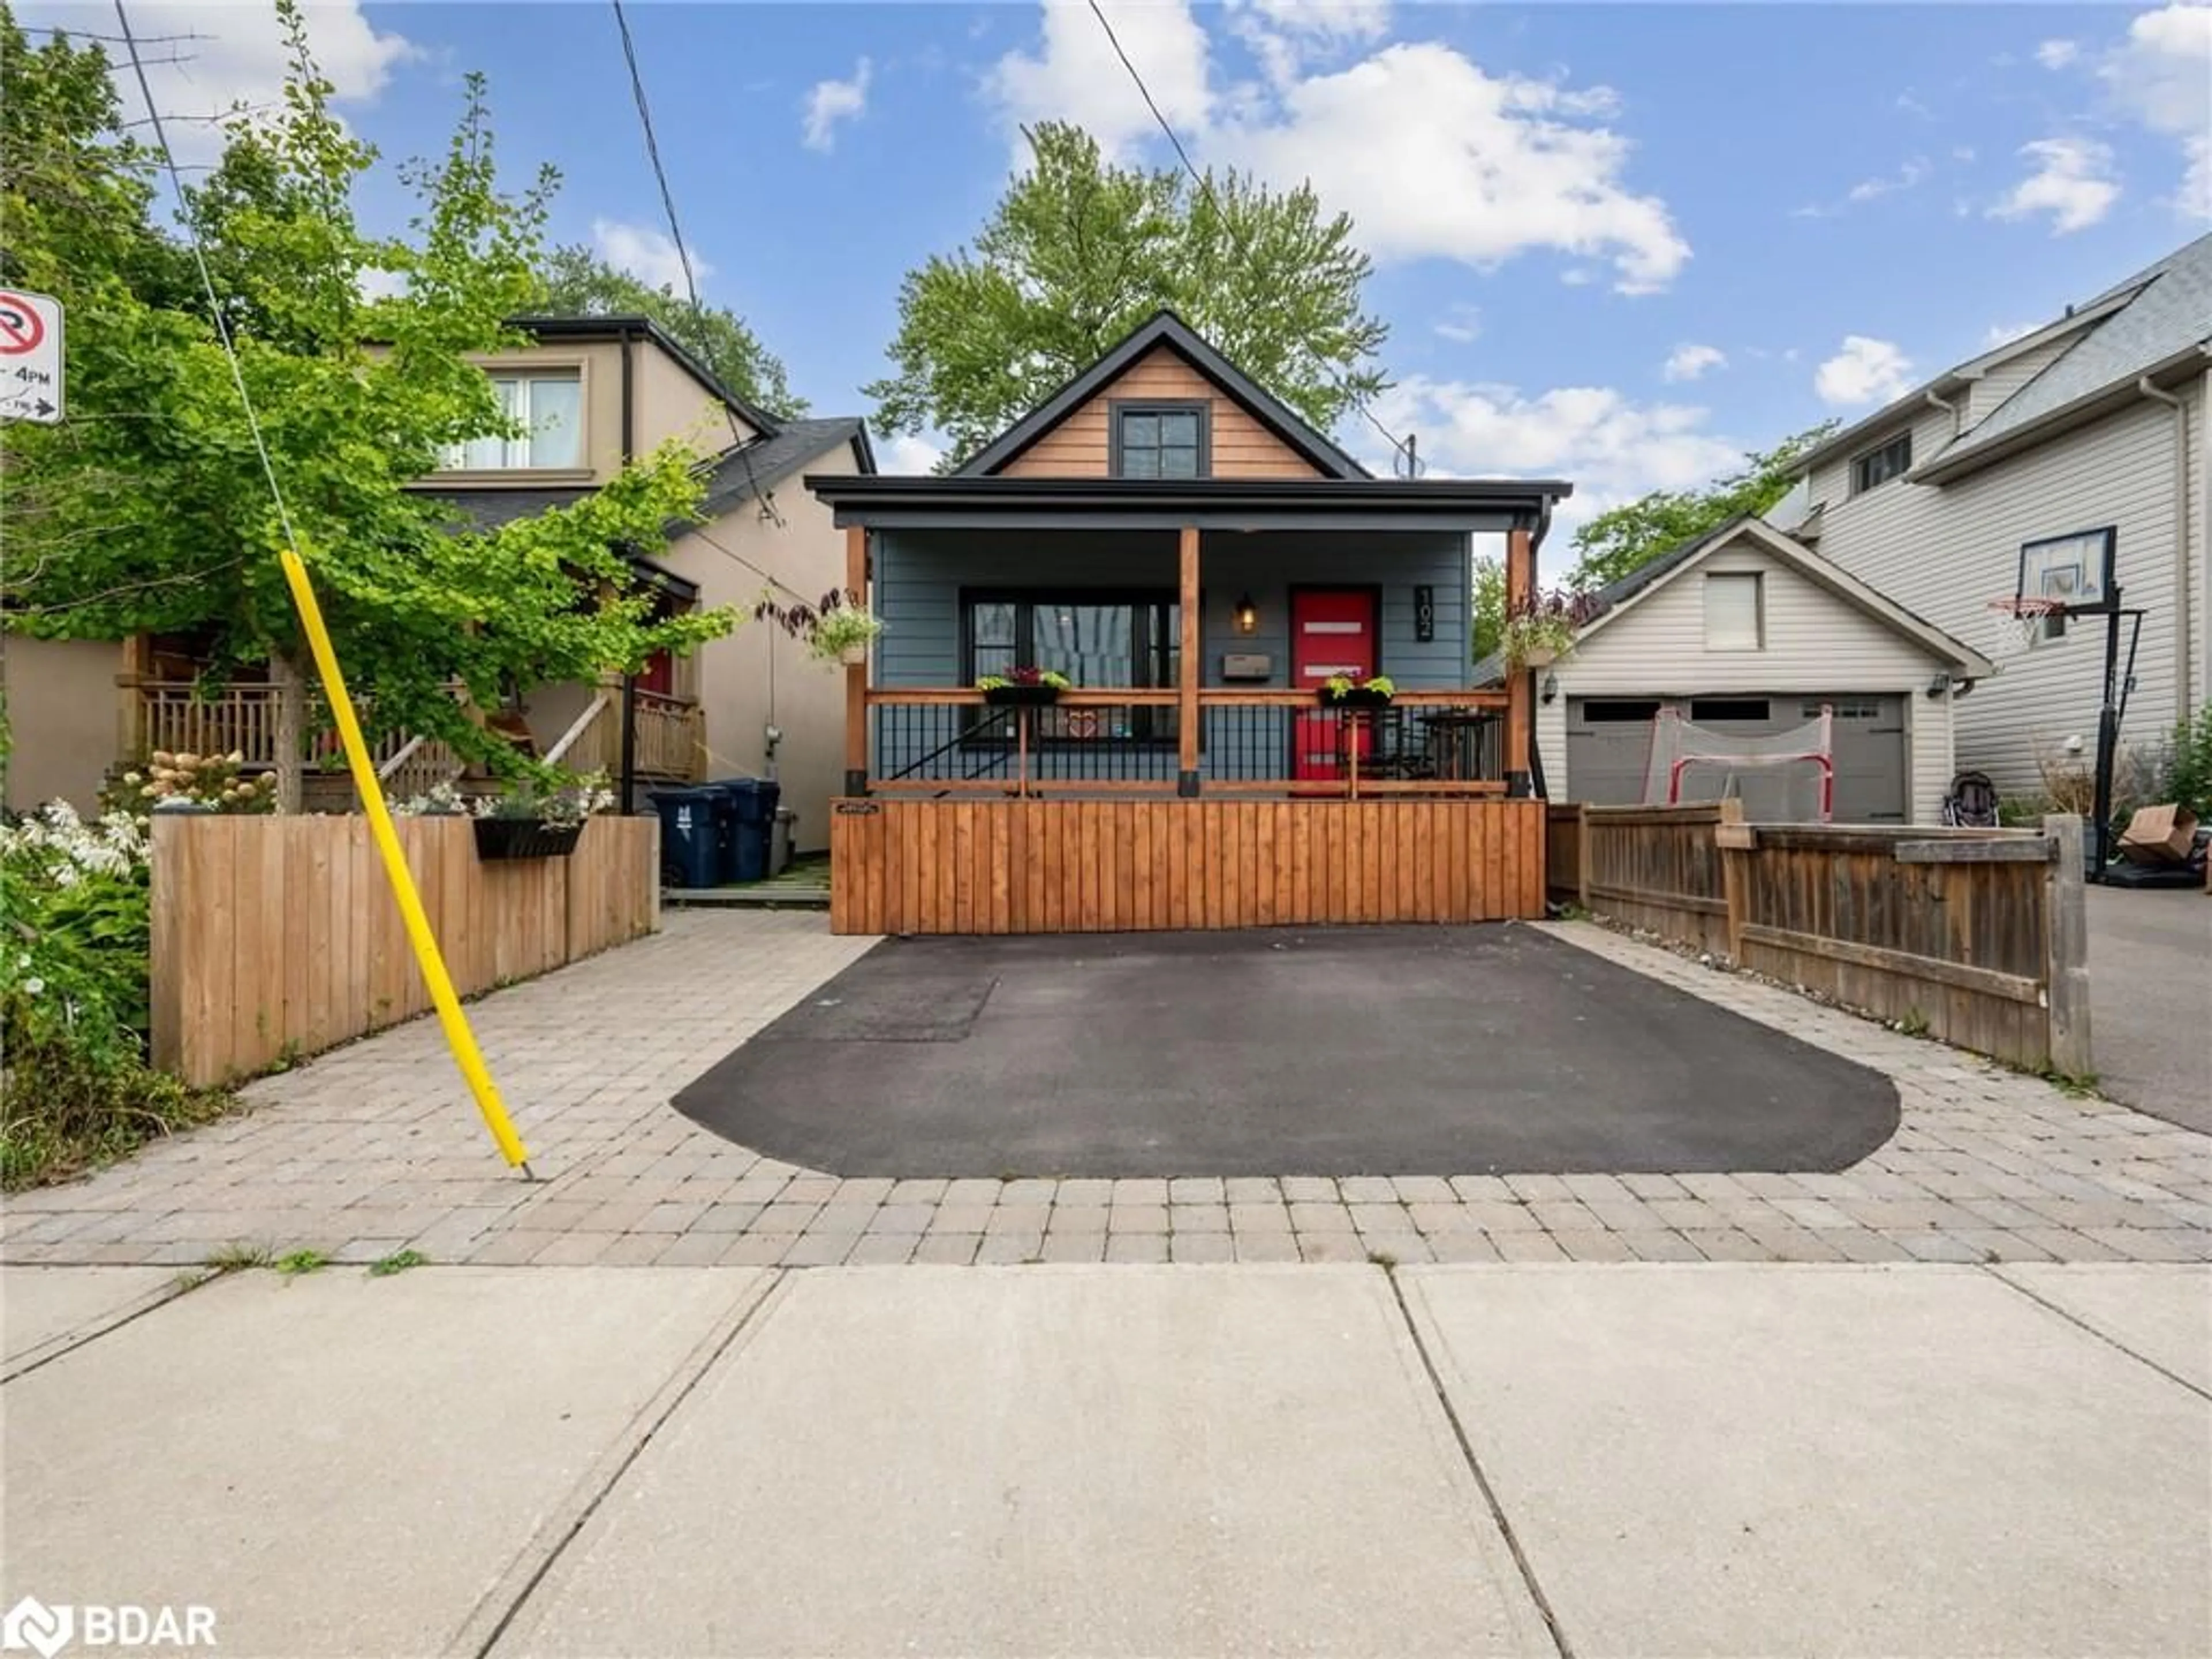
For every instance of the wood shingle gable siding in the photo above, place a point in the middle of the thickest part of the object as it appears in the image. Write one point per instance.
(1079, 447)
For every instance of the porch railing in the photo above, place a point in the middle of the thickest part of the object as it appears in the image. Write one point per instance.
(1252, 743)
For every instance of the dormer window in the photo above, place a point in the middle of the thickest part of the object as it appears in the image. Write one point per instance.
(550, 405)
(1878, 467)
(1160, 440)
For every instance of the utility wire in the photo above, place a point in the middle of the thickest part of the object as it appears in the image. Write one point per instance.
(1403, 447)
(683, 252)
(207, 281)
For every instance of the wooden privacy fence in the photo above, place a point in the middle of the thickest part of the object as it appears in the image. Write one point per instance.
(1979, 936)
(1062, 866)
(279, 935)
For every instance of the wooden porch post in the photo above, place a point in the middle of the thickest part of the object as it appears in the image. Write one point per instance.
(130, 706)
(1520, 684)
(1192, 671)
(856, 674)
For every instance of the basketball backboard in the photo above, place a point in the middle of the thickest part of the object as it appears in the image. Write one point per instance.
(2075, 571)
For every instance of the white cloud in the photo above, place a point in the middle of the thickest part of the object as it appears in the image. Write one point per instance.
(1433, 156)
(2162, 75)
(1688, 362)
(1075, 77)
(1865, 371)
(2072, 181)
(1868, 189)
(1461, 324)
(2057, 54)
(832, 101)
(646, 254)
(374, 284)
(1612, 448)
(1287, 35)
(908, 451)
(236, 58)
(1999, 334)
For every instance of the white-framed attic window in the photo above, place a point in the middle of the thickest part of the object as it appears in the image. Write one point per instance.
(1735, 610)
(549, 403)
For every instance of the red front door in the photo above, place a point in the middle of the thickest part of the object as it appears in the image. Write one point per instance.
(658, 675)
(1332, 632)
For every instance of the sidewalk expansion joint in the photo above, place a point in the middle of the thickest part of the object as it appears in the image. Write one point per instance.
(2104, 1337)
(1474, 1467)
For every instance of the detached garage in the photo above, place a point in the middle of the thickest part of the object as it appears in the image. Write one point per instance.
(1748, 633)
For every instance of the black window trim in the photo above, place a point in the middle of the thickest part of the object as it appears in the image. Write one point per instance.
(1163, 600)
(1859, 462)
(1118, 407)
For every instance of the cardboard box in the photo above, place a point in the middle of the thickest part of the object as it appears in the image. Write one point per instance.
(2159, 836)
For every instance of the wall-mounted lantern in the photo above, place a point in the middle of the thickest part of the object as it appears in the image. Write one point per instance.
(1550, 690)
(1247, 615)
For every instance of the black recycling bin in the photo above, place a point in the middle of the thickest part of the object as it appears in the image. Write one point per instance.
(695, 836)
(752, 804)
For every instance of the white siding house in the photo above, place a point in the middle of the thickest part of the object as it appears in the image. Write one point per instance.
(2095, 422)
(1671, 634)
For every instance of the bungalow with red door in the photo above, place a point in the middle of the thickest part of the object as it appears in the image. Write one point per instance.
(1172, 575)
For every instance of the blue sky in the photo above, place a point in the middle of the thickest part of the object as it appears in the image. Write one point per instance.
(1619, 243)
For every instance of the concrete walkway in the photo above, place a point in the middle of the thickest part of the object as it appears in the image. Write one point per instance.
(1099, 1460)
(2150, 1000)
(375, 1147)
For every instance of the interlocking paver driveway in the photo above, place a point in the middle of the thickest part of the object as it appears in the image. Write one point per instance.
(376, 1147)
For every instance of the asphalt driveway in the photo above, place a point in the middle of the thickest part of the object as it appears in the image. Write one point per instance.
(1367, 1051)
(2150, 1000)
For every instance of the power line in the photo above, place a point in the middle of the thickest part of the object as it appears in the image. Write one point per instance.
(1402, 446)
(683, 253)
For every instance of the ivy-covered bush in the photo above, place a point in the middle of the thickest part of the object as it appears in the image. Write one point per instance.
(2188, 780)
(75, 1087)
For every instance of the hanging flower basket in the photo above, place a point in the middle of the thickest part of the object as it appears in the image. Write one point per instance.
(525, 838)
(1537, 656)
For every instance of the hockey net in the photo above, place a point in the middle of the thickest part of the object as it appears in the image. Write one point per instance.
(1781, 777)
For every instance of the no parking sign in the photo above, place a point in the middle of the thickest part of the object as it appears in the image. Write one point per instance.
(30, 356)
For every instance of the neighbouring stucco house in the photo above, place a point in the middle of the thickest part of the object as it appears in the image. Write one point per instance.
(1746, 632)
(595, 391)
(1197, 561)
(2094, 423)
(601, 390)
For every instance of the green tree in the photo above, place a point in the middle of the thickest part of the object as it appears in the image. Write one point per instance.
(1079, 251)
(1489, 606)
(580, 283)
(1626, 538)
(150, 509)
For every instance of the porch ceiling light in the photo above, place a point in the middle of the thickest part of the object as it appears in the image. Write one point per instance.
(1247, 615)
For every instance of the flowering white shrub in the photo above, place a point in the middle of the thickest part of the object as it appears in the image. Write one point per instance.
(56, 846)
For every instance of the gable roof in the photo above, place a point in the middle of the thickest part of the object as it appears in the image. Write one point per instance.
(1621, 597)
(2165, 320)
(1165, 329)
(739, 473)
(2156, 320)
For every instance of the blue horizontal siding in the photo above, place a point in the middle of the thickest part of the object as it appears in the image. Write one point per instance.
(919, 576)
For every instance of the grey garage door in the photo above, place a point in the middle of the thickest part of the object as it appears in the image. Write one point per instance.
(1609, 744)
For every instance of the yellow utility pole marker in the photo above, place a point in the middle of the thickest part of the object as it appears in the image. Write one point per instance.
(458, 1037)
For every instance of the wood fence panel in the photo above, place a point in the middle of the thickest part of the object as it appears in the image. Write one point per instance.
(279, 937)
(1956, 933)
(1023, 866)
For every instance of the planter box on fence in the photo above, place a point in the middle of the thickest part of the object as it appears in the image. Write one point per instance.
(1022, 696)
(278, 937)
(525, 838)
(1358, 697)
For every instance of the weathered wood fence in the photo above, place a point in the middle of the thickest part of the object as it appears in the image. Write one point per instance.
(1978, 936)
(1066, 866)
(276, 936)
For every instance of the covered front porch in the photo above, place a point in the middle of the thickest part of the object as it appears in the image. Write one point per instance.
(1192, 775)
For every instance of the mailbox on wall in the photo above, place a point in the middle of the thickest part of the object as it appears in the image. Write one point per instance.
(1246, 666)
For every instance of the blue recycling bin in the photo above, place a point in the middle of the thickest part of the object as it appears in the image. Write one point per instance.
(695, 836)
(751, 803)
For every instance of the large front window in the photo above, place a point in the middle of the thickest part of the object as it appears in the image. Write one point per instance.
(549, 407)
(1097, 639)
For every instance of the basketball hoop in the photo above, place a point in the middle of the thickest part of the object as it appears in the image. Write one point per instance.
(2016, 622)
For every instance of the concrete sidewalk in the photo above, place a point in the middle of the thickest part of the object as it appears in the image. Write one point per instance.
(1700, 1459)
